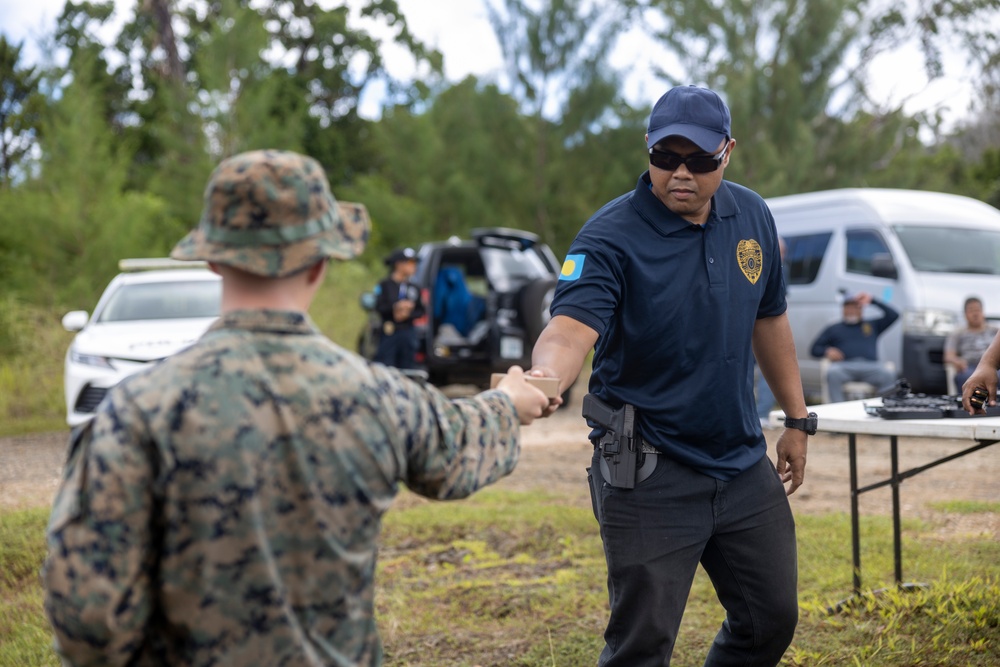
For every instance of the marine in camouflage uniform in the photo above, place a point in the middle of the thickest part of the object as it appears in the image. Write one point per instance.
(223, 507)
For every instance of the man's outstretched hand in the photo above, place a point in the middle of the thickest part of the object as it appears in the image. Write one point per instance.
(530, 402)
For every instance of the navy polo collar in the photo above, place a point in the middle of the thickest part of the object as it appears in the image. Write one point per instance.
(653, 211)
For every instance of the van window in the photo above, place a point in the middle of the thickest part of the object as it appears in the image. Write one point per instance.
(803, 256)
(862, 244)
(951, 250)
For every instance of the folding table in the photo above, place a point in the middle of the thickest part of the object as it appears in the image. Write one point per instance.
(852, 419)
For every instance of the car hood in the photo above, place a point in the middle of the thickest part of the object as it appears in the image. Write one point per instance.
(147, 340)
(949, 290)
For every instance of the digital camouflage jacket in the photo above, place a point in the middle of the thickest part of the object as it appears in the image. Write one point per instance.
(223, 507)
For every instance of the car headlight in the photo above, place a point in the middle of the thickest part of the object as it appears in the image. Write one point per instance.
(90, 360)
(929, 322)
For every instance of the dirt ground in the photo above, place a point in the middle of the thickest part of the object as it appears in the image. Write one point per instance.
(556, 453)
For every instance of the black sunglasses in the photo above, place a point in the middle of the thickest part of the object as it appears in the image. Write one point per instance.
(696, 164)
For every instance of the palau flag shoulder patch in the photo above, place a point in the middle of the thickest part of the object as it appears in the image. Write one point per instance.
(572, 267)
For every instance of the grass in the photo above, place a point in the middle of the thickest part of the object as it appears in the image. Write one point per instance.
(518, 579)
(25, 638)
(32, 347)
(965, 507)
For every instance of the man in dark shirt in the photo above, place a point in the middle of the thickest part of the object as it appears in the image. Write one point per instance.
(399, 305)
(851, 346)
(676, 286)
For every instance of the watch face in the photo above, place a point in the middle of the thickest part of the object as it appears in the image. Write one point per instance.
(811, 423)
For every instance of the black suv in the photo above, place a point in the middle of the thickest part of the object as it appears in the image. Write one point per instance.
(486, 299)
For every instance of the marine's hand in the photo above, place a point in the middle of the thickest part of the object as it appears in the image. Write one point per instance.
(530, 402)
(791, 463)
(543, 372)
(834, 354)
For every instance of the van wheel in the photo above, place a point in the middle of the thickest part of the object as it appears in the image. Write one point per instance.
(535, 299)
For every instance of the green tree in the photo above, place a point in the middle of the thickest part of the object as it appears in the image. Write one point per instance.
(465, 163)
(63, 230)
(20, 107)
(186, 84)
(215, 78)
(970, 26)
(456, 166)
(779, 63)
(80, 29)
(987, 175)
(232, 77)
(556, 60)
(795, 75)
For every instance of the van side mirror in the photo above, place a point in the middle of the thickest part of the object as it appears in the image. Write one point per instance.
(883, 266)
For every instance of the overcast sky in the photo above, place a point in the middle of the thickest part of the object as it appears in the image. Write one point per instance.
(461, 31)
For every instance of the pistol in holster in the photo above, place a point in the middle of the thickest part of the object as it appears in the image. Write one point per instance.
(621, 447)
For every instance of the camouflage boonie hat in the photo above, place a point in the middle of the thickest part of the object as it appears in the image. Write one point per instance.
(271, 213)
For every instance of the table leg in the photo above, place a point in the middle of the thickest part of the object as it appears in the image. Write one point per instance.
(897, 539)
(855, 529)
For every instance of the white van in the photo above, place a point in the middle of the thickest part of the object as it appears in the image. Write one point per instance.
(923, 253)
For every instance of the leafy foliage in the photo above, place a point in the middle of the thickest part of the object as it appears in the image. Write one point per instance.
(20, 106)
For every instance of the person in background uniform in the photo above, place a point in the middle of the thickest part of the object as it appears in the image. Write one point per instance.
(851, 345)
(671, 285)
(399, 305)
(223, 507)
(963, 348)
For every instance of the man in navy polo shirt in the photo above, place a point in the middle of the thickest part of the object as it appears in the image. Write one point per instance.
(676, 286)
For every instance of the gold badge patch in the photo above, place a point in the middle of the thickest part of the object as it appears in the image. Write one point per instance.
(750, 258)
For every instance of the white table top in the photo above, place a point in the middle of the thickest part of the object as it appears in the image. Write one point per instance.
(850, 417)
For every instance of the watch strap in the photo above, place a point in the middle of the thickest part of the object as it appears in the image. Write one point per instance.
(807, 424)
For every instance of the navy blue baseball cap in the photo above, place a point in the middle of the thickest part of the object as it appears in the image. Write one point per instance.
(695, 113)
(400, 255)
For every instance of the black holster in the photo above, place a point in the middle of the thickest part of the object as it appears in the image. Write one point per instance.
(621, 448)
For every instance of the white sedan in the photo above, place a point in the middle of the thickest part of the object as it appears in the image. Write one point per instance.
(151, 310)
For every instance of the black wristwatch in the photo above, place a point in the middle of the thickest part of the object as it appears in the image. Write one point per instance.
(807, 424)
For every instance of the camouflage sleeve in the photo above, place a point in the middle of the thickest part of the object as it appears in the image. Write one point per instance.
(452, 447)
(98, 571)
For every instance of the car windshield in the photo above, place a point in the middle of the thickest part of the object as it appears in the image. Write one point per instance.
(163, 301)
(948, 249)
(508, 268)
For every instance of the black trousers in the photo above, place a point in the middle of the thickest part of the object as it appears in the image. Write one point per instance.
(743, 534)
(398, 348)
